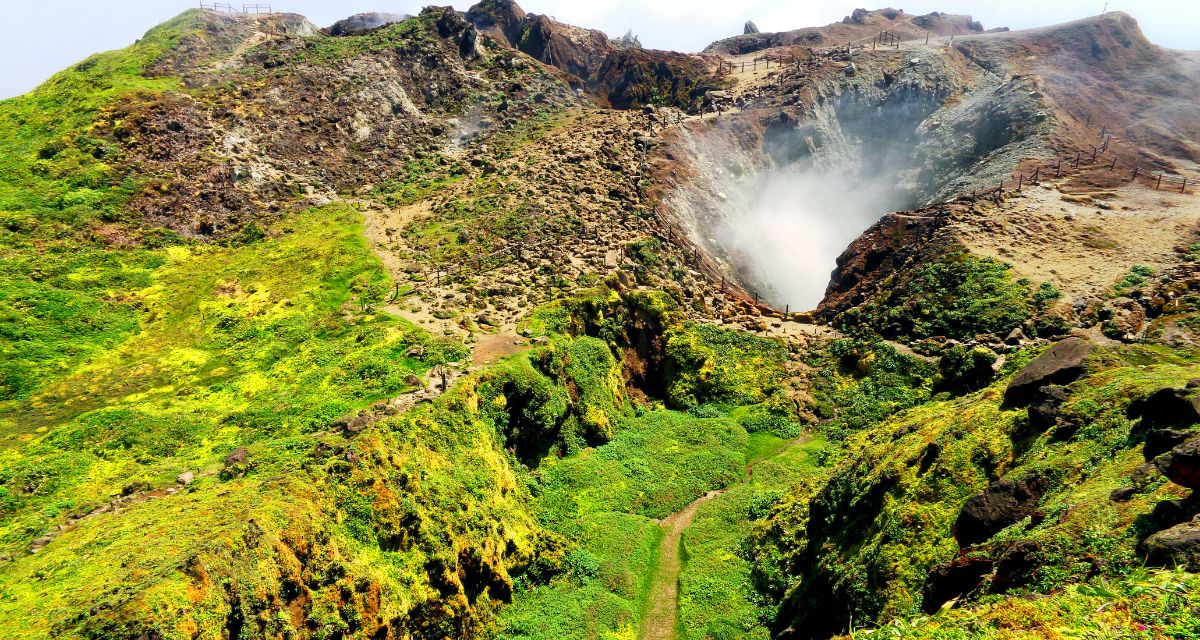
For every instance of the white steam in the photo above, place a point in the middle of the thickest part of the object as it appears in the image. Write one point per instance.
(786, 228)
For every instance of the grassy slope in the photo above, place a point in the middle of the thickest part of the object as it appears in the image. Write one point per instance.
(57, 275)
(125, 364)
(657, 462)
(718, 598)
(891, 499)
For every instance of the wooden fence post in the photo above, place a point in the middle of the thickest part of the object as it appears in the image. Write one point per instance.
(1158, 183)
(1135, 174)
(1020, 181)
(1183, 189)
(1114, 162)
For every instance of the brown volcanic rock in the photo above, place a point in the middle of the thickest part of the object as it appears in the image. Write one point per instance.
(1182, 464)
(860, 25)
(1060, 364)
(633, 77)
(503, 20)
(1177, 546)
(1104, 68)
(1002, 503)
(888, 247)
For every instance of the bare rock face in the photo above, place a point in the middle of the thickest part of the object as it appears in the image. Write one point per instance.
(1177, 546)
(1003, 503)
(501, 19)
(1060, 364)
(750, 28)
(628, 41)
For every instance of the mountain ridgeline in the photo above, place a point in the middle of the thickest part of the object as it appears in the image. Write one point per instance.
(476, 324)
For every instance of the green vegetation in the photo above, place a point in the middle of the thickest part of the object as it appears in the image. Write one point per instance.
(204, 441)
(718, 595)
(1145, 604)
(864, 537)
(958, 297)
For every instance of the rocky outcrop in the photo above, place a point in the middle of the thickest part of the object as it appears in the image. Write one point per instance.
(1177, 546)
(750, 28)
(1005, 502)
(1060, 364)
(1167, 408)
(889, 246)
(859, 25)
(361, 23)
(1181, 464)
(953, 579)
(627, 41)
(500, 19)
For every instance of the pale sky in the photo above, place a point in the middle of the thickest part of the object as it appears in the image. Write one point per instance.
(38, 38)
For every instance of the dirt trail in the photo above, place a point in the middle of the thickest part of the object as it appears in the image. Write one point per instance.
(664, 592)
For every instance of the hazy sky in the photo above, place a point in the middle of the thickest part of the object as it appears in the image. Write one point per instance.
(38, 38)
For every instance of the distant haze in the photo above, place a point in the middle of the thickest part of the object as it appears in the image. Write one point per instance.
(40, 38)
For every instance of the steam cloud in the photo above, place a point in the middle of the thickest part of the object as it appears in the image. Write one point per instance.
(781, 208)
(786, 227)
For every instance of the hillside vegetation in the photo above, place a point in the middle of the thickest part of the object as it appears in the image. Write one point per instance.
(390, 335)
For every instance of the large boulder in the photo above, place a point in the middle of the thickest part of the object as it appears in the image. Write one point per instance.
(750, 28)
(1167, 408)
(1017, 566)
(1060, 364)
(1181, 465)
(953, 579)
(1177, 546)
(1003, 503)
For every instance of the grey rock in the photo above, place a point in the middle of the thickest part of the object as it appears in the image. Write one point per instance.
(1177, 546)
(750, 28)
(185, 478)
(1060, 364)
(236, 457)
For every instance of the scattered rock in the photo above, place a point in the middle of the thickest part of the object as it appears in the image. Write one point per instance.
(1123, 319)
(1122, 494)
(1044, 410)
(1060, 364)
(1166, 408)
(185, 478)
(238, 457)
(1005, 502)
(1016, 336)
